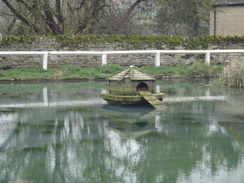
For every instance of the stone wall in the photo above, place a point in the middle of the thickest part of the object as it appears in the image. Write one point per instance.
(50, 44)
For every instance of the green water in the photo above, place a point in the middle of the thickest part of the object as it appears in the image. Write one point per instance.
(64, 133)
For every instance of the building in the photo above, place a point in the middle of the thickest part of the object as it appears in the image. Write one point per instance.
(227, 18)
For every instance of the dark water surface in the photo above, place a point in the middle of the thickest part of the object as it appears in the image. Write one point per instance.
(64, 133)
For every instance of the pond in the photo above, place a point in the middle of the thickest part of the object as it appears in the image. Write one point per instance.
(63, 132)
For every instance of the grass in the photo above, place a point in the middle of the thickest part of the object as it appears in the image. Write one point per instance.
(69, 71)
(232, 75)
(197, 69)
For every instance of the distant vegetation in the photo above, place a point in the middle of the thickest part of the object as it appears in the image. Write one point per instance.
(80, 17)
(197, 69)
(127, 42)
(232, 75)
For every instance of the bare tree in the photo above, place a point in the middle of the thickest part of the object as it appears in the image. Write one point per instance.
(128, 17)
(188, 17)
(57, 16)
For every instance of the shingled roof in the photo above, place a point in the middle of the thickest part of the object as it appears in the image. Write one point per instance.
(229, 2)
(133, 73)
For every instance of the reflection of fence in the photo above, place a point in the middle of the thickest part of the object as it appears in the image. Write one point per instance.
(99, 101)
(96, 101)
(104, 54)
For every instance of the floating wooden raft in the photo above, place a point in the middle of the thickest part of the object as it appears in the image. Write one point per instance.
(151, 99)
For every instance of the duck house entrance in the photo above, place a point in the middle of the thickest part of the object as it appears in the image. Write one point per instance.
(142, 87)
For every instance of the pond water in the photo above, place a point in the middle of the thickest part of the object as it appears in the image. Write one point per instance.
(64, 132)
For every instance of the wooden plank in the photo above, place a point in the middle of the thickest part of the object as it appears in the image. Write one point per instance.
(151, 99)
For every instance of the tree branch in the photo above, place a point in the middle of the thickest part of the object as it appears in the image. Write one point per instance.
(27, 5)
(10, 28)
(92, 19)
(20, 17)
(127, 14)
(50, 17)
(81, 4)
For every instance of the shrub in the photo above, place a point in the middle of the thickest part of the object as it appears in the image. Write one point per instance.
(201, 70)
(1, 74)
(233, 75)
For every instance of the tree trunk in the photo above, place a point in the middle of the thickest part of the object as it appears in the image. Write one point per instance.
(92, 19)
(59, 17)
(50, 18)
(11, 26)
(128, 12)
(89, 26)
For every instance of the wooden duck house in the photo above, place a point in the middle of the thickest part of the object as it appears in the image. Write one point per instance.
(133, 86)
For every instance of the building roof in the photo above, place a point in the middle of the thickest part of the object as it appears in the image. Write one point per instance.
(133, 73)
(229, 2)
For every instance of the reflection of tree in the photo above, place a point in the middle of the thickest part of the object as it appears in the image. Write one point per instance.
(125, 154)
(39, 137)
(8, 123)
(190, 141)
(235, 103)
(55, 92)
(97, 145)
(190, 144)
(235, 130)
(186, 88)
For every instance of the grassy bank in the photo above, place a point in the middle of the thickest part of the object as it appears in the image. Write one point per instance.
(181, 70)
(196, 69)
(232, 75)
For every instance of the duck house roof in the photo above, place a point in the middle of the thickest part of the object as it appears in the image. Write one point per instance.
(133, 73)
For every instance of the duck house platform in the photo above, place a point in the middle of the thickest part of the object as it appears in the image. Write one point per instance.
(133, 86)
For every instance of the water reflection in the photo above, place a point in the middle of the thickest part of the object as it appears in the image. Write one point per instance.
(193, 141)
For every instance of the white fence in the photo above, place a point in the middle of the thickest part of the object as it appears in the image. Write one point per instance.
(104, 54)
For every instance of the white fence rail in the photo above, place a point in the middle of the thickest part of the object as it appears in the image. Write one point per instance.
(104, 54)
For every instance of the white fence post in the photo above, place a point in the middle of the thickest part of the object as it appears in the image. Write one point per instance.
(44, 61)
(104, 59)
(207, 58)
(104, 54)
(157, 59)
